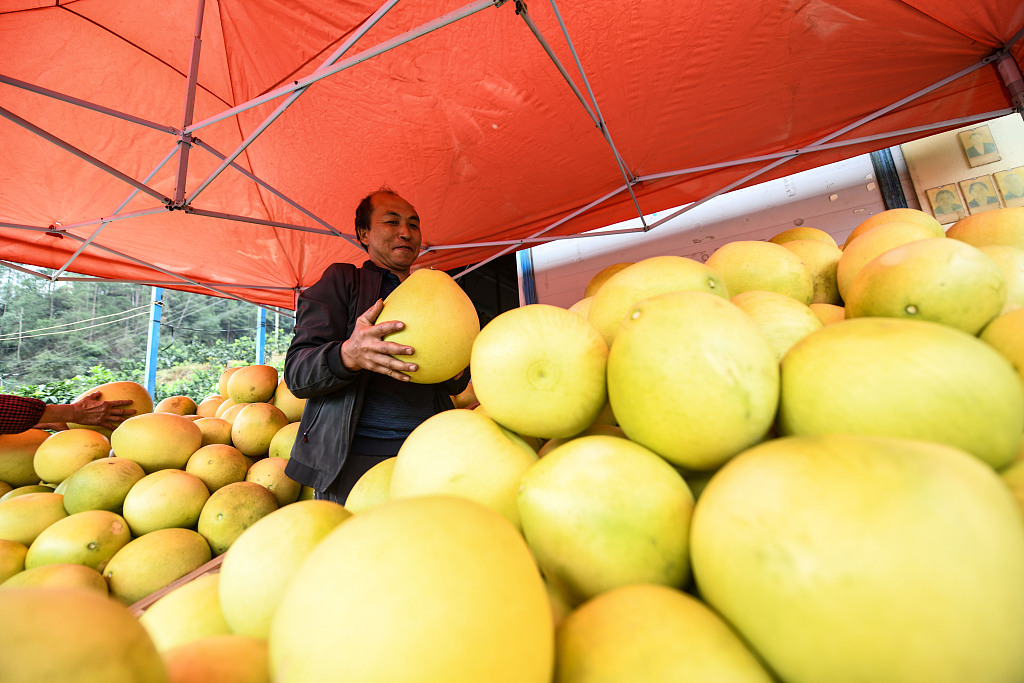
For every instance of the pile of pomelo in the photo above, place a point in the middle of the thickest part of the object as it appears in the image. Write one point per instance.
(796, 462)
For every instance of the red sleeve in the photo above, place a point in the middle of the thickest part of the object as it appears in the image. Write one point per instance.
(19, 413)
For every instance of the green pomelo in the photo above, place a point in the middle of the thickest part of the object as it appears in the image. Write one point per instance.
(691, 377)
(601, 512)
(254, 428)
(217, 465)
(647, 278)
(12, 558)
(262, 561)
(165, 499)
(101, 485)
(148, 563)
(65, 452)
(849, 558)
(1011, 261)
(90, 538)
(233, 509)
(751, 264)
(1001, 226)
(782, 319)
(189, 612)
(915, 216)
(23, 518)
(157, 441)
(903, 378)
(269, 472)
(253, 384)
(539, 370)
(373, 488)
(284, 439)
(73, 635)
(141, 401)
(440, 324)
(16, 454)
(62, 575)
(219, 659)
(872, 244)
(937, 279)
(822, 260)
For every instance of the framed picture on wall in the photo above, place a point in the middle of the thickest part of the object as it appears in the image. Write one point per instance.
(1011, 185)
(947, 206)
(979, 146)
(980, 194)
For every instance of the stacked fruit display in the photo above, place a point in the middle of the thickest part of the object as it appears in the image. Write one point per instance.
(796, 462)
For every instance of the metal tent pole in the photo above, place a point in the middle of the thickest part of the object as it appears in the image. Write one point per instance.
(153, 343)
(261, 335)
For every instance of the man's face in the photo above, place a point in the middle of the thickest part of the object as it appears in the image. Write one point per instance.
(393, 240)
(1014, 184)
(979, 191)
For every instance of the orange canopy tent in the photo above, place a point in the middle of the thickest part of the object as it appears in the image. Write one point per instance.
(221, 146)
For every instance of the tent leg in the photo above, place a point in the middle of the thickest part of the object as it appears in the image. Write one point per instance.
(888, 180)
(261, 335)
(153, 344)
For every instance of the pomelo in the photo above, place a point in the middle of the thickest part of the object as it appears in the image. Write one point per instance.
(904, 215)
(227, 658)
(801, 233)
(782, 319)
(231, 411)
(936, 279)
(596, 429)
(23, 518)
(253, 384)
(878, 241)
(65, 452)
(31, 488)
(751, 264)
(141, 401)
(90, 538)
(222, 381)
(224, 406)
(16, 454)
(309, 493)
(217, 465)
(454, 564)
(647, 278)
(73, 635)
(822, 260)
(231, 510)
(148, 563)
(903, 378)
(101, 485)
(189, 612)
(582, 307)
(852, 558)
(61, 575)
(373, 488)
(1006, 335)
(179, 405)
(12, 558)
(265, 557)
(601, 512)
(466, 399)
(284, 439)
(214, 430)
(157, 441)
(165, 499)
(289, 403)
(539, 370)
(829, 313)
(440, 324)
(602, 276)
(651, 633)
(691, 377)
(1003, 226)
(269, 472)
(208, 406)
(1011, 261)
(5, 488)
(254, 428)
(463, 453)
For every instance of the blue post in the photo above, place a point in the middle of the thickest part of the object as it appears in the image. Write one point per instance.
(154, 339)
(261, 336)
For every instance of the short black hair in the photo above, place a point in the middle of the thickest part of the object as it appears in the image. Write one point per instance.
(978, 184)
(365, 210)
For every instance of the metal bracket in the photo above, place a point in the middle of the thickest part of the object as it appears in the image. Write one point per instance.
(520, 7)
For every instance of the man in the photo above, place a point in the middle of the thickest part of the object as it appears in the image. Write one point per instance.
(946, 203)
(21, 413)
(361, 404)
(980, 195)
(979, 147)
(1013, 186)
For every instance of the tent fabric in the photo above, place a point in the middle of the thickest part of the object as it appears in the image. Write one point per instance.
(472, 121)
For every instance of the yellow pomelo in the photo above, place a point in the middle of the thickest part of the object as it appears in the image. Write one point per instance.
(1011, 261)
(1002, 226)
(141, 401)
(165, 499)
(582, 307)
(453, 563)
(263, 560)
(600, 277)
(936, 279)
(217, 465)
(885, 237)
(31, 488)
(440, 324)
(373, 488)
(219, 659)
(12, 558)
(691, 377)
(208, 406)
(596, 429)
(1006, 335)
(5, 488)
(214, 430)
(157, 441)
(231, 510)
(61, 575)
(253, 384)
(1013, 476)
(179, 405)
(751, 264)
(463, 453)
(915, 216)
(90, 538)
(269, 472)
(231, 411)
(289, 403)
(803, 233)
(73, 635)
(601, 512)
(16, 454)
(284, 439)
(148, 563)
(23, 518)
(822, 260)
(782, 319)
(540, 370)
(903, 378)
(65, 452)
(651, 633)
(255, 426)
(829, 313)
(223, 406)
(222, 382)
(309, 493)
(647, 278)
(847, 558)
(189, 612)
(101, 485)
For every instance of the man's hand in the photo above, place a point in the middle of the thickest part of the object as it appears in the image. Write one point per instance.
(367, 350)
(89, 410)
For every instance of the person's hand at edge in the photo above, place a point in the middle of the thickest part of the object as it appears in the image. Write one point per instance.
(89, 410)
(367, 350)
